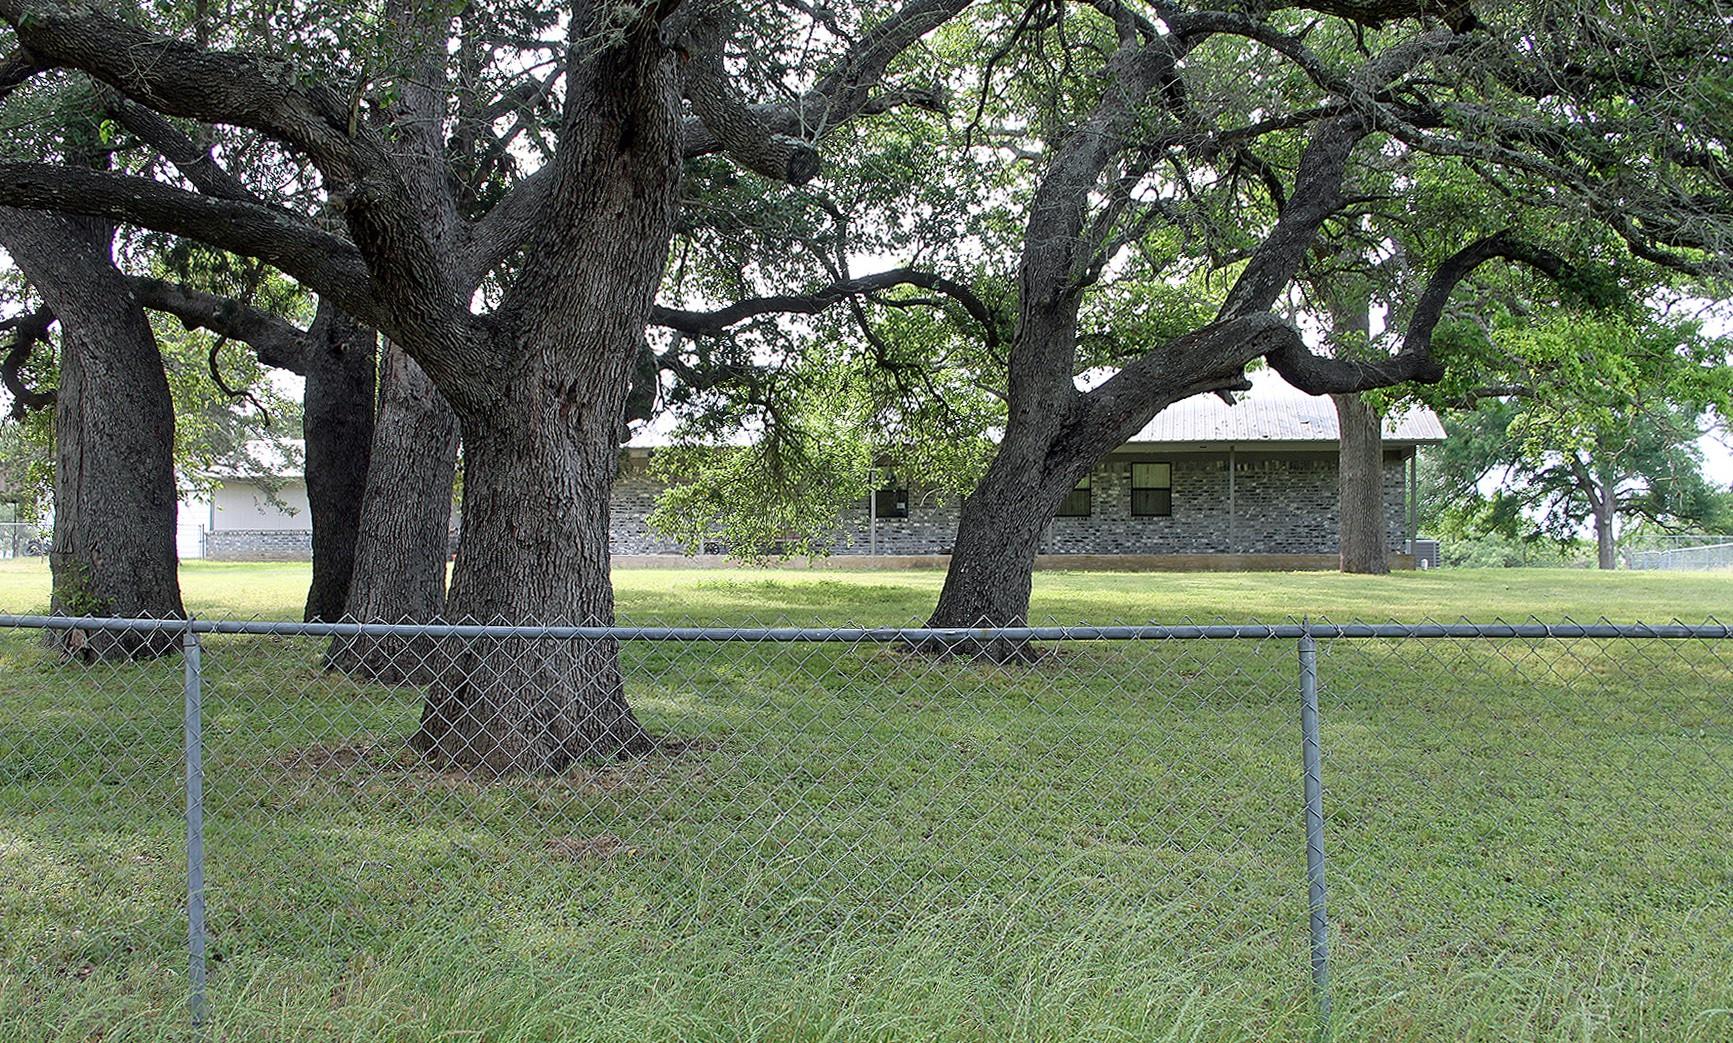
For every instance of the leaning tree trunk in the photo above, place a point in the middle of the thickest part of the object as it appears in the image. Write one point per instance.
(991, 574)
(405, 527)
(1362, 526)
(993, 559)
(541, 437)
(114, 485)
(338, 424)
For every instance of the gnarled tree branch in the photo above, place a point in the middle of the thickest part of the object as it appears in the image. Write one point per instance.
(28, 330)
(182, 79)
(715, 323)
(278, 342)
(195, 163)
(743, 131)
(1413, 361)
(328, 263)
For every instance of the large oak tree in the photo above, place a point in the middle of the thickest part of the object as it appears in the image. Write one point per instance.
(1529, 98)
(1157, 157)
(114, 485)
(528, 311)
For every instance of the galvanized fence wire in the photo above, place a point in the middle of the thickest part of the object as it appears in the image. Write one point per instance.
(826, 818)
(1702, 555)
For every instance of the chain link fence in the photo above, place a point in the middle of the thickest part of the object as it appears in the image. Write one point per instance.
(301, 831)
(1682, 553)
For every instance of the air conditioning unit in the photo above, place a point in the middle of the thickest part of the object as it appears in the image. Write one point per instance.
(1425, 553)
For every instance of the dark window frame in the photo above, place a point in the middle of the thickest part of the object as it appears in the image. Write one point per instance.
(1152, 501)
(896, 506)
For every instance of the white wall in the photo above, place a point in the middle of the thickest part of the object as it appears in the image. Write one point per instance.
(242, 505)
(191, 520)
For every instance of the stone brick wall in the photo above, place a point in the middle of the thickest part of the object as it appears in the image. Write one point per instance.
(1284, 503)
(634, 498)
(930, 528)
(259, 545)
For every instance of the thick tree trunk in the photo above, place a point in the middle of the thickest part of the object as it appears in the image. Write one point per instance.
(1606, 506)
(404, 541)
(541, 439)
(338, 426)
(114, 486)
(992, 562)
(534, 548)
(1362, 527)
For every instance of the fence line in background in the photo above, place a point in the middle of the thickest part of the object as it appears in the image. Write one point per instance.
(1683, 553)
(885, 635)
(1305, 633)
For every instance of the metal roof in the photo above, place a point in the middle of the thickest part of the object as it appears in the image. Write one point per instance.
(1274, 412)
(1206, 419)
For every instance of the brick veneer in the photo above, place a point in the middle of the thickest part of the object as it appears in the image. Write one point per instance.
(1284, 503)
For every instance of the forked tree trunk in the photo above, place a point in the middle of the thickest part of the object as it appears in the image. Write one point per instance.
(404, 540)
(1361, 523)
(541, 441)
(338, 425)
(114, 487)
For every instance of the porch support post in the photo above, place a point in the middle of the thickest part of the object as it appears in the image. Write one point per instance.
(1233, 544)
(873, 512)
(1413, 496)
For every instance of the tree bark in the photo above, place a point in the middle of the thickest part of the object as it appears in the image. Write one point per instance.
(541, 439)
(1606, 508)
(114, 485)
(534, 548)
(993, 559)
(1363, 540)
(338, 427)
(404, 540)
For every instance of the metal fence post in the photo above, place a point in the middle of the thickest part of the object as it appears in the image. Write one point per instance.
(1314, 782)
(193, 727)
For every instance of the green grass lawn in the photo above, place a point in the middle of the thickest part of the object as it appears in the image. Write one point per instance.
(1528, 840)
(697, 596)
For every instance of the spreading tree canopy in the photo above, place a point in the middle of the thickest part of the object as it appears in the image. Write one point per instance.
(524, 298)
(1142, 193)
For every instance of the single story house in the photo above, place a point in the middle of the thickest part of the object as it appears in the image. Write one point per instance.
(242, 517)
(1203, 485)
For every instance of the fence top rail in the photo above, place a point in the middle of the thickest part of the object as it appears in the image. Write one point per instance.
(885, 635)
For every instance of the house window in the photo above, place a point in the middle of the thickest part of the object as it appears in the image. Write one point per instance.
(891, 503)
(1151, 490)
(1078, 502)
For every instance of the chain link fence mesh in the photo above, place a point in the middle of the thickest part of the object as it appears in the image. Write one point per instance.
(1683, 553)
(857, 837)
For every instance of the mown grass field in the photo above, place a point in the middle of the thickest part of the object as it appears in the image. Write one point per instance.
(278, 590)
(1528, 839)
